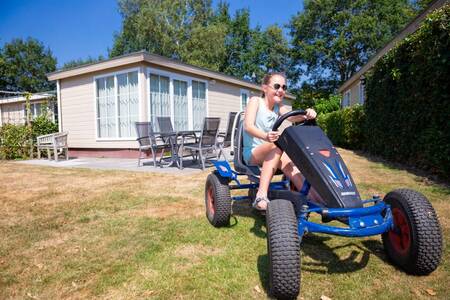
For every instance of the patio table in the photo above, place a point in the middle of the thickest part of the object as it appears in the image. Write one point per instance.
(177, 139)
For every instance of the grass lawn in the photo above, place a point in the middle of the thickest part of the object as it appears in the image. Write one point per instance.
(75, 233)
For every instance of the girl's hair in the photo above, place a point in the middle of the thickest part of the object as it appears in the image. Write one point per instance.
(268, 76)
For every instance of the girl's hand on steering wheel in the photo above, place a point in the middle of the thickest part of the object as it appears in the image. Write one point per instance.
(310, 114)
(272, 136)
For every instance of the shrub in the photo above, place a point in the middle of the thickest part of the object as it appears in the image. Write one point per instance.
(14, 141)
(42, 125)
(408, 104)
(327, 105)
(345, 127)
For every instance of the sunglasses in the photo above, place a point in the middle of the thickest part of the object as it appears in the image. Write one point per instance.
(277, 86)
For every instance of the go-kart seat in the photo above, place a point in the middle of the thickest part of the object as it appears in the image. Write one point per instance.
(238, 146)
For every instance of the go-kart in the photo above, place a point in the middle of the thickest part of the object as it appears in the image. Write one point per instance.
(407, 222)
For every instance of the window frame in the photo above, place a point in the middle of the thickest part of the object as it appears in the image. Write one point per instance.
(362, 96)
(246, 92)
(115, 74)
(349, 93)
(175, 76)
(32, 111)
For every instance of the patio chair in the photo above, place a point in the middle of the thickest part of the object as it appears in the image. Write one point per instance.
(165, 124)
(149, 141)
(206, 143)
(225, 137)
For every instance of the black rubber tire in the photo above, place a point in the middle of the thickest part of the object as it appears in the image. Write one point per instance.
(217, 200)
(283, 246)
(415, 245)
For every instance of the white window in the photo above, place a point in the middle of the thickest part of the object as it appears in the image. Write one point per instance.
(36, 109)
(361, 93)
(346, 99)
(198, 103)
(160, 105)
(117, 100)
(180, 101)
(182, 98)
(245, 96)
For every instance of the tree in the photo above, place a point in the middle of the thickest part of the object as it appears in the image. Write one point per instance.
(251, 53)
(191, 31)
(183, 29)
(332, 39)
(269, 52)
(79, 62)
(24, 65)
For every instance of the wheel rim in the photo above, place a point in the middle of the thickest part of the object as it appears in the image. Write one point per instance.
(400, 236)
(210, 201)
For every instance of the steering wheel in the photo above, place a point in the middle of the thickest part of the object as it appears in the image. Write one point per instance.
(291, 114)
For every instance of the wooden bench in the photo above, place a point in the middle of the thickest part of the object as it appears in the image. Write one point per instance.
(53, 142)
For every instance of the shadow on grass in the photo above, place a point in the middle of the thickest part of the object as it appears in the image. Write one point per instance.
(326, 261)
(244, 209)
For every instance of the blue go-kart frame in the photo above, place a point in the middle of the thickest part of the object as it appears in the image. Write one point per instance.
(404, 218)
(366, 221)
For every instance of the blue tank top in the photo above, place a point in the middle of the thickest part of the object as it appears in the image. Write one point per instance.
(265, 119)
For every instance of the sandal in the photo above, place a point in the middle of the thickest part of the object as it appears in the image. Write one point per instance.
(261, 203)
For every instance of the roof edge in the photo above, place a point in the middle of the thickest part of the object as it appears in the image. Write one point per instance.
(144, 56)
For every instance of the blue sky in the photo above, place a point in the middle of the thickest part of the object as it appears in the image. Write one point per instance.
(75, 29)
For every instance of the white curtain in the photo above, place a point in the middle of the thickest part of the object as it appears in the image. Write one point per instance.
(159, 98)
(180, 102)
(198, 103)
(128, 103)
(106, 107)
(110, 107)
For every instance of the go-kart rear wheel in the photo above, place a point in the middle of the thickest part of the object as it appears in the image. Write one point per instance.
(415, 242)
(217, 200)
(283, 245)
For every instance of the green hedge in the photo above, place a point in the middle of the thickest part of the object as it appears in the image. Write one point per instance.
(15, 139)
(345, 127)
(408, 107)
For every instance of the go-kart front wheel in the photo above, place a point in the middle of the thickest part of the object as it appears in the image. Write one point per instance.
(217, 200)
(283, 245)
(415, 242)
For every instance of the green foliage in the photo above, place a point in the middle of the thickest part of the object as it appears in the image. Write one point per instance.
(308, 93)
(14, 141)
(79, 62)
(408, 104)
(42, 125)
(334, 38)
(327, 105)
(191, 31)
(345, 127)
(24, 65)
(166, 27)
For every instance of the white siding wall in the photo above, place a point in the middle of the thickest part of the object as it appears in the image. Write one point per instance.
(78, 107)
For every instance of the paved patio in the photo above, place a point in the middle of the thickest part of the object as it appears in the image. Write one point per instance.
(125, 164)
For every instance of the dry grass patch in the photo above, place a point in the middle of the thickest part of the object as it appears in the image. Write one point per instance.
(90, 234)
